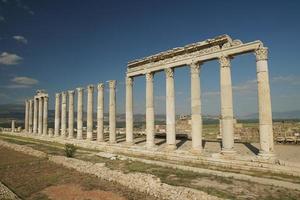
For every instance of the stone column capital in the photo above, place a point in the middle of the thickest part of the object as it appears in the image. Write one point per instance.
(90, 87)
(112, 84)
(100, 86)
(46, 98)
(57, 95)
(63, 93)
(261, 53)
(169, 72)
(79, 89)
(129, 81)
(71, 92)
(149, 76)
(224, 61)
(195, 68)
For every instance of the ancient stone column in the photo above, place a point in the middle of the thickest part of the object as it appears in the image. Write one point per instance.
(100, 112)
(170, 109)
(196, 117)
(129, 110)
(30, 116)
(26, 116)
(57, 114)
(226, 106)
(63, 114)
(71, 115)
(79, 112)
(112, 111)
(150, 129)
(35, 115)
(13, 126)
(45, 116)
(40, 117)
(264, 103)
(90, 91)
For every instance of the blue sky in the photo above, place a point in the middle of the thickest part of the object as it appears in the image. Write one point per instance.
(59, 45)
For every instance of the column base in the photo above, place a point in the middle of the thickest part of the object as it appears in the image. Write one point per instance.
(267, 155)
(228, 152)
(196, 151)
(170, 147)
(150, 145)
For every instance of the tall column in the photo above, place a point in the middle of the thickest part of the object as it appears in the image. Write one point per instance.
(264, 103)
(150, 129)
(13, 126)
(45, 116)
(79, 112)
(100, 112)
(112, 111)
(57, 114)
(170, 109)
(26, 116)
(226, 106)
(129, 110)
(71, 114)
(196, 108)
(30, 115)
(35, 115)
(90, 91)
(63, 114)
(40, 119)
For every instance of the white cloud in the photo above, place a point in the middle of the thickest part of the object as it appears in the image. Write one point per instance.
(16, 86)
(25, 81)
(290, 79)
(250, 85)
(20, 39)
(9, 59)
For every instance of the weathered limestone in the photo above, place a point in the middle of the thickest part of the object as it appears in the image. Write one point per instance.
(112, 111)
(79, 112)
(35, 115)
(13, 126)
(100, 112)
(56, 115)
(226, 106)
(150, 129)
(40, 117)
(196, 117)
(264, 104)
(129, 110)
(30, 115)
(45, 116)
(90, 91)
(63, 114)
(170, 109)
(26, 115)
(71, 115)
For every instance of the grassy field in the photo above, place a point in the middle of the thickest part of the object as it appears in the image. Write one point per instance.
(215, 185)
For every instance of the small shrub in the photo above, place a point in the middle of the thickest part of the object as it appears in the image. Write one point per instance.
(70, 150)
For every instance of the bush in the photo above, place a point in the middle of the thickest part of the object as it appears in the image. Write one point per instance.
(70, 150)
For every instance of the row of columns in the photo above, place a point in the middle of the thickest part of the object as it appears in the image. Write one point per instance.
(36, 115)
(264, 101)
(60, 121)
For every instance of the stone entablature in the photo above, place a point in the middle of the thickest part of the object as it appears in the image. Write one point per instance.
(196, 52)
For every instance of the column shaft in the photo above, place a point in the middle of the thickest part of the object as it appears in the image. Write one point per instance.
(13, 126)
(226, 105)
(71, 115)
(57, 114)
(40, 117)
(90, 92)
(170, 109)
(26, 116)
(264, 103)
(35, 115)
(100, 112)
(129, 110)
(63, 114)
(150, 129)
(30, 116)
(45, 116)
(112, 111)
(79, 112)
(196, 117)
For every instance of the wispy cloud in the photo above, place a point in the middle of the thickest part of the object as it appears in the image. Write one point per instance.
(290, 79)
(23, 80)
(248, 86)
(2, 19)
(23, 6)
(211, 93)
(9, 59)
(20, 39)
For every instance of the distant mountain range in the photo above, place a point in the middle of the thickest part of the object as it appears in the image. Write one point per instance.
(16, 111)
